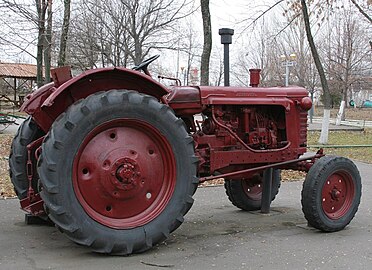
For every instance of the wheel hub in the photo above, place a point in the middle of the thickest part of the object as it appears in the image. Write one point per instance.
(337, 195)
(253, 187)
(124, 173)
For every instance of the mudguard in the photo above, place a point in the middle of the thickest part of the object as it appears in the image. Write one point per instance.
(48, 102)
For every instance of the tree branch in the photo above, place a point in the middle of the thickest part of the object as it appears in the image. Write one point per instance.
(362, 11)
(261, 15)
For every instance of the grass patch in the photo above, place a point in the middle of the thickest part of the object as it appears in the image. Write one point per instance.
(346, 138)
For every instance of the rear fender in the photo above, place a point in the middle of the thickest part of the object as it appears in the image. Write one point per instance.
(34, 100)
(45, 106)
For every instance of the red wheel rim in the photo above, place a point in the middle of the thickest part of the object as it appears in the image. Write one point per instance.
(253, 187)
(337, 195)
(124, 173)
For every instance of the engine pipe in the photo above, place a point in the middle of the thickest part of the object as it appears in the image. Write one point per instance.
(232, 133)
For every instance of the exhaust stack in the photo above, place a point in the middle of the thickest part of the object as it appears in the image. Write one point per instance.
(254, 80)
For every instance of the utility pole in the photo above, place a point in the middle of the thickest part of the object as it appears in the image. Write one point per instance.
(287, 62)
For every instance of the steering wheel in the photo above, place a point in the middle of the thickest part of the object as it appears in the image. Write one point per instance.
(143, 66)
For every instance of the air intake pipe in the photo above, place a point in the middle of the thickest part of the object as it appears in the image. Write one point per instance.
(226, 39)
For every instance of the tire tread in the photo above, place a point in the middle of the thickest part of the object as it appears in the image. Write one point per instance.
(50, 156)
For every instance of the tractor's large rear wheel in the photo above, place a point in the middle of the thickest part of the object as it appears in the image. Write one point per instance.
(331, 193)
(118, 172)
(27, 133)
(246, 194)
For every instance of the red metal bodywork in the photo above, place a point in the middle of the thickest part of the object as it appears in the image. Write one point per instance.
(48, 102)
(237, 131)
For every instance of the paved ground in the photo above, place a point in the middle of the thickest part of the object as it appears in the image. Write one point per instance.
(318, 126)
(347, 123)
(215, 235)
(11, 129)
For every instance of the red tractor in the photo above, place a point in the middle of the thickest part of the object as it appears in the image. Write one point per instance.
(113, 158)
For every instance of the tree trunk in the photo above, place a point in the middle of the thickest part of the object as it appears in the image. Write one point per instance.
(311, 112)
(345, 92)
(327, 99)
(340, 113)
(64, 34)
(41, 8)
(207, 46)
(48, 42)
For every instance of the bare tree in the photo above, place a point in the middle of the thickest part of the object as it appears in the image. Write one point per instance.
(264, 54)
(269, 44)
(19, 24)
(30, 17)
(125, 31)
(83, 48)
(304, 69)
(347, 56)
(189, 45)
(149, 24)
(216, 67)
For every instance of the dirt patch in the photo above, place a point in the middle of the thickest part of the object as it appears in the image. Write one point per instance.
(287, 176)
(350, 113)
(6, 187)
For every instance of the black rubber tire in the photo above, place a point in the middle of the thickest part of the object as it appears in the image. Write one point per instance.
(235, 192)
(312, 193)
(55, 169)
(28, 132)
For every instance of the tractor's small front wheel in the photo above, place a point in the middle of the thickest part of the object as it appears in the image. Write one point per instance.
(118, 172)
(246, 194)
(331, 193)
